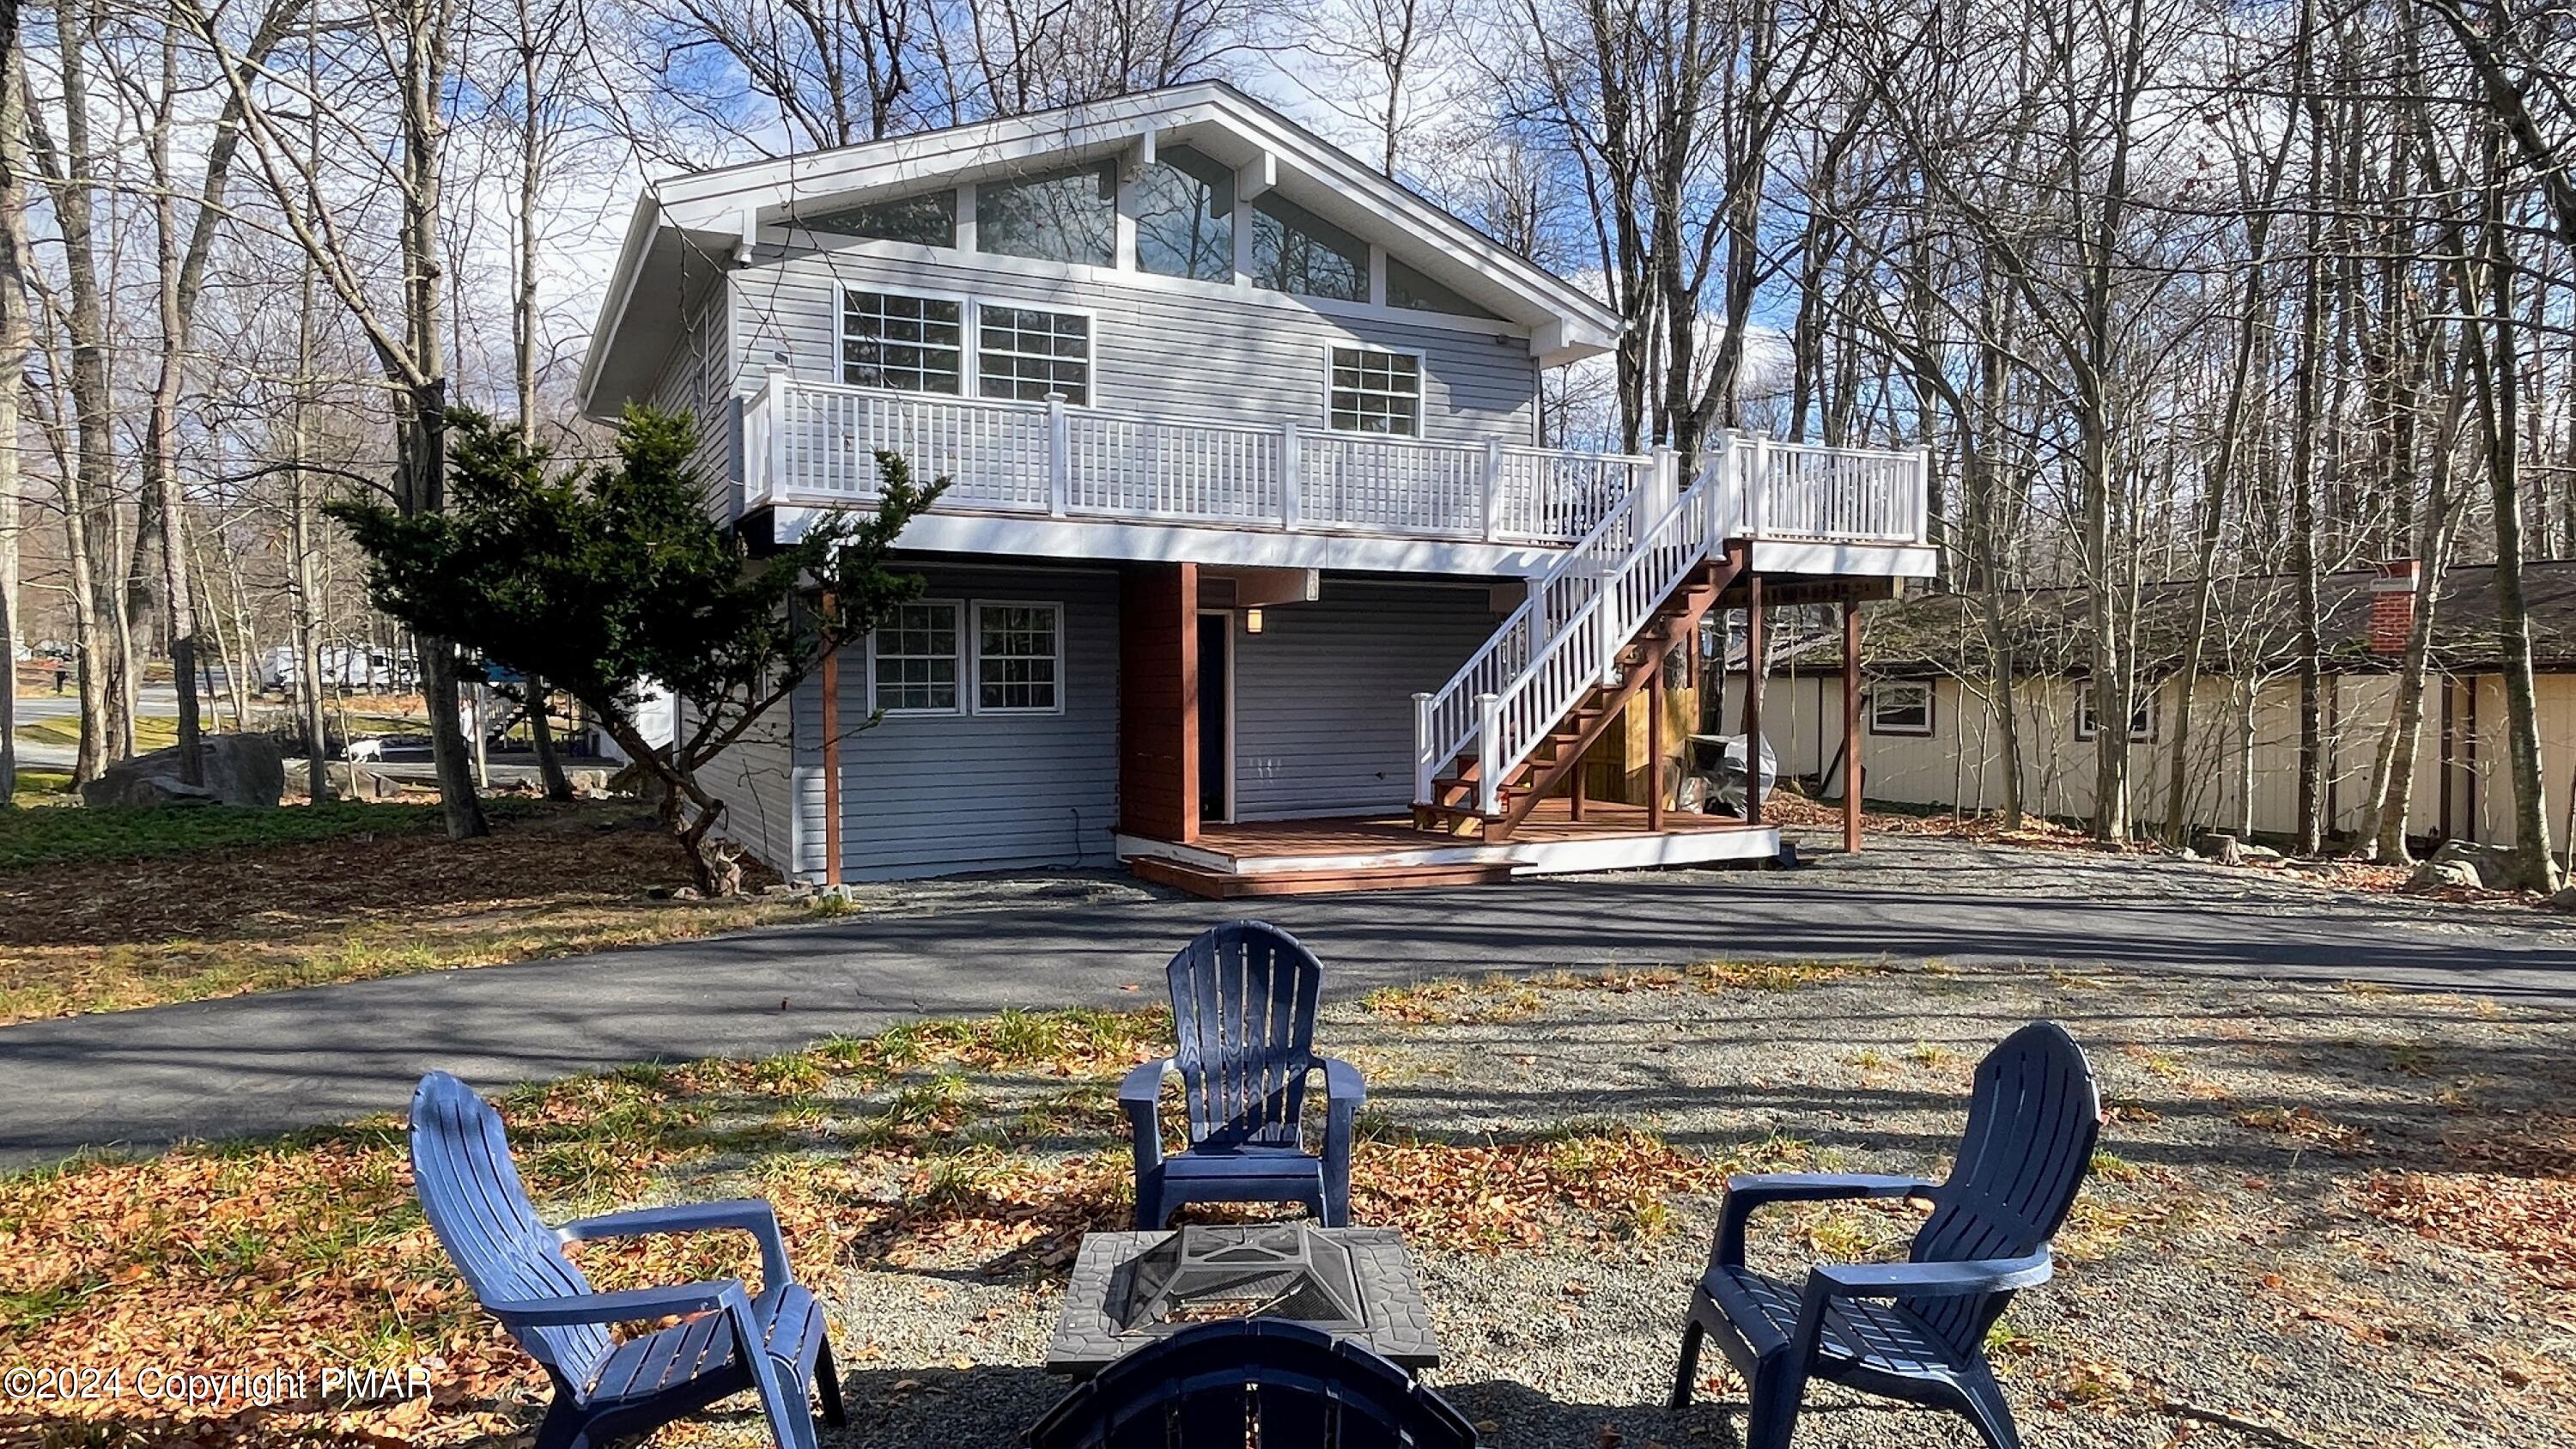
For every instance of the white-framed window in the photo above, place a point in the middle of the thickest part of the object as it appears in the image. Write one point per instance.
(1028, 352)
(1019, 657)
(905, 342)
(914, 663)
(2142, 715)
(1900, 707)
(1376, 391)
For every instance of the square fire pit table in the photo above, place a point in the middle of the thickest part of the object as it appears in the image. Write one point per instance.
(1128, 1289)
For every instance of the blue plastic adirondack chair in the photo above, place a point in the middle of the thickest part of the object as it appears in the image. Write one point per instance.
(1243, 1012)
(1252, 1381)
(1914, 1330)
(771, 1342)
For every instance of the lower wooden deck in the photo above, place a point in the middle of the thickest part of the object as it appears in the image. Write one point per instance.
(1340, 853)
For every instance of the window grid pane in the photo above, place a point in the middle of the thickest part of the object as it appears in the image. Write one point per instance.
(915, 344)
(916, 664)
(1015, 656)
(1376, 392)
(1024, 353)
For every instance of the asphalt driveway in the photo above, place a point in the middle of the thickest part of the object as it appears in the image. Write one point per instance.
(282, 1060)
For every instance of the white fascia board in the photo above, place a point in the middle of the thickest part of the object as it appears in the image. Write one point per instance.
(641, 223)
(1846, 560)
(1105, 540)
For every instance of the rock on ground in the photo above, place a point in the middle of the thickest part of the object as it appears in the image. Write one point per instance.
(239, 770)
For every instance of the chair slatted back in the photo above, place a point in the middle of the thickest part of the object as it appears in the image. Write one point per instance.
(1252, 1381)
(1243, 1014)
(2033, 1119)
(471, 1194)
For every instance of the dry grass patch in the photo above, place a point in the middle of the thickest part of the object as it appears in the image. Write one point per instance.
(110, 935)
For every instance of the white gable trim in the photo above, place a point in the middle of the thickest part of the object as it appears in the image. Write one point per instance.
(1268, 151)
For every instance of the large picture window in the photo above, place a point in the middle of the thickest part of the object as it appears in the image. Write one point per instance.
(1021, 352)
(1376, 392)
(1900, 707)
(916, 659)
(1066, 216)
(1019, 658)
(888, 339)
(929, 220)
(1294, 250)
(1185, 218)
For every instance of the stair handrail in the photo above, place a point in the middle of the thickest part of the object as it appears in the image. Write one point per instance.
(1582, 653)
(1610, 565)
(1446, 720)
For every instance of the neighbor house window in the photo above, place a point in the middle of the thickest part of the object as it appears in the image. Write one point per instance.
(928, 220)
(1185, 218)
(1294, 250)
(1376, 392)
(1900, 707)
(1019, 658)
(2142, 716)
(1022, 352)
(916, 659)
(888, 339)
(1065, 216)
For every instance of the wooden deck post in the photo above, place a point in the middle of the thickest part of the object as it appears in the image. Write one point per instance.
(831, 685)
(1753, 660)
(1851, 726)
(1575, 792)
(1655, 744)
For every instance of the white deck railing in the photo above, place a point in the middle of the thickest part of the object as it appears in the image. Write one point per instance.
(816, 443)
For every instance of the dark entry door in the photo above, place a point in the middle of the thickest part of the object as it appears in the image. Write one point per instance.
(1216, 711)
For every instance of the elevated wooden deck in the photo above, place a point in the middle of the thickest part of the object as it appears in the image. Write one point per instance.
(1342, 853)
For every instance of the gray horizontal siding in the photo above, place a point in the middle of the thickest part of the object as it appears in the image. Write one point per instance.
(924, 796)
(1323, 708)
(1249, 356)
(754, 777)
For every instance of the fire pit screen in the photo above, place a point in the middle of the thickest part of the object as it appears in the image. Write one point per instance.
(1281, 1270)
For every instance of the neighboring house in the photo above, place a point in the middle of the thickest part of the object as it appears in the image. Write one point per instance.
(1253, 572)
(1932, 737)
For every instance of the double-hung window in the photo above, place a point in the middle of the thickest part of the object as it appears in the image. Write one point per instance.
(916, 659)
(913, 344)
(1900, 707)
(1376, 392)
(1026, 353)
(1019, 658)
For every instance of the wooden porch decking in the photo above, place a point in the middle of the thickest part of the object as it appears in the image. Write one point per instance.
(1338, 853)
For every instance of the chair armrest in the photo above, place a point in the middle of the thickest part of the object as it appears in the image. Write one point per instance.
(1144, 1083)
(1141, 1093)
(1745, 1193)
(1343, 1084)
(630, 1306)
(1929, 1280)
(749, 1214)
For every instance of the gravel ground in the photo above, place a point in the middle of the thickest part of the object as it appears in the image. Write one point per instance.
(2231, 1277)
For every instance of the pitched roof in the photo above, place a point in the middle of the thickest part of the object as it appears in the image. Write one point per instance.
(2253, 625)
(718, 212)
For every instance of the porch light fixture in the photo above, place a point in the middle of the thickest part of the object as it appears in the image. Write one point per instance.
(1252, 621)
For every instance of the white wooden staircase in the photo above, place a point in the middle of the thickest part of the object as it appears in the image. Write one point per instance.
(1516, 719)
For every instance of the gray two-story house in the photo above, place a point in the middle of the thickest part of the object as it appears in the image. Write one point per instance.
(1254, 572)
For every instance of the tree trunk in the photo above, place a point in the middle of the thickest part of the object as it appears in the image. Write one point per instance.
(13, 364)
(161, 430)
(2534, 867)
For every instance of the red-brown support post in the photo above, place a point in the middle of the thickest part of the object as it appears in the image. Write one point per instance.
(831, 684)
(1158, 693)
(1753, 668)
(1655, 745)
(1851, 726)
(1575, 791)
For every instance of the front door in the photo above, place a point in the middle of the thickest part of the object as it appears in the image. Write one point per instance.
(1216, 714)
